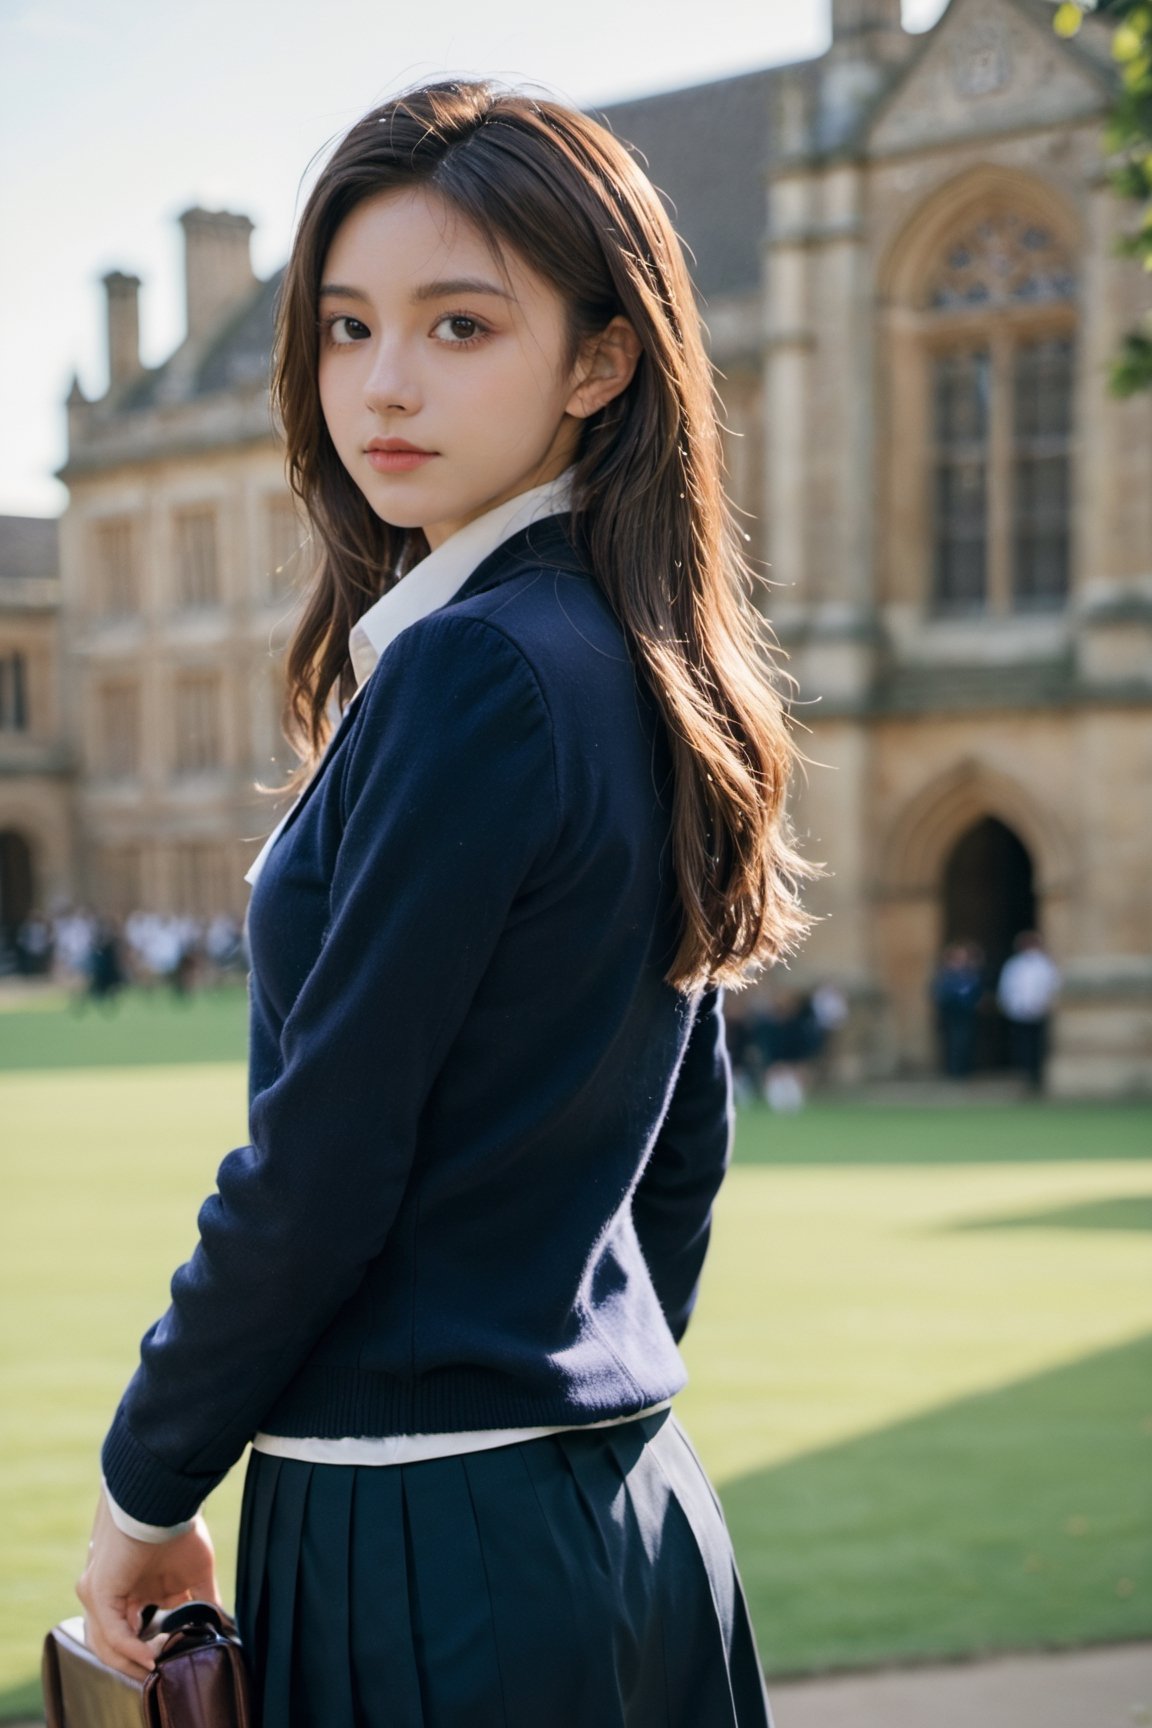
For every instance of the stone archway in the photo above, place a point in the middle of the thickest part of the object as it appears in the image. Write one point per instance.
(987, 896)
(967, 824)
(17, 884)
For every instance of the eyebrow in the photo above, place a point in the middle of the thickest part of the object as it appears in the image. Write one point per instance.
(460, 285)
(426, 290)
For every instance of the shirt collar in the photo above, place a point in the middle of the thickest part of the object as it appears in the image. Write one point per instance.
(435, 579)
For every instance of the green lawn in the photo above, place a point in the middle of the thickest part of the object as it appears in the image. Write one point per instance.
(141, 1026)
(921, 1369)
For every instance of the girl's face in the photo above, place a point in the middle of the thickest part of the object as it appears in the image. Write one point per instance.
(443, 373)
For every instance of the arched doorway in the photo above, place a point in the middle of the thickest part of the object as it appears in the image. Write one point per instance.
(988, 898)
(16, 889)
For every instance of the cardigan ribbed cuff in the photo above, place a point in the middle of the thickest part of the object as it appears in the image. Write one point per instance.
(144, 1486)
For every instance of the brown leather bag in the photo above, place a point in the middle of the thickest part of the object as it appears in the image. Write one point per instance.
(198, 1681)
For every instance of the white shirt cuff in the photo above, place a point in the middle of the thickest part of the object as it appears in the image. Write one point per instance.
(143, 1532)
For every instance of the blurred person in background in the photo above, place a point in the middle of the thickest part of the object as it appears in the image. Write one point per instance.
(1026, 992)
(830, 1006)
(740, 1017)
(956, 989)
(34, 943)
(107, 972)
(74, 934)
(792, 1037)
(223, 948)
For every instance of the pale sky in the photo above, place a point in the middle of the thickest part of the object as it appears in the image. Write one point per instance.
(116, 116)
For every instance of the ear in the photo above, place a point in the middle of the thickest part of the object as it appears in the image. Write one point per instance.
(605, 368)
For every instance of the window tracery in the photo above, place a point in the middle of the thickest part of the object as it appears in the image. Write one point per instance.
(1001, 395)
(1003, 259)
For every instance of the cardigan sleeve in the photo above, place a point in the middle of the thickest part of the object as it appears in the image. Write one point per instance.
(448, 799)
(672, 1205)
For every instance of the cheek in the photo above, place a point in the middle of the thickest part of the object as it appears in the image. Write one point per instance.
(528, 393)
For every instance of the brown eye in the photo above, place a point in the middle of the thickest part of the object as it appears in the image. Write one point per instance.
(344, 330)
(458, 329)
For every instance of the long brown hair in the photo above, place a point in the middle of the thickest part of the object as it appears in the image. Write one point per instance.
(650, 510)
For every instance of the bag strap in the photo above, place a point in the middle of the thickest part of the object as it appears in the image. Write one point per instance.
(204, 1617)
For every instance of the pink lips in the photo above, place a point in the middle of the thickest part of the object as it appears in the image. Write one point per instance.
(396, 455)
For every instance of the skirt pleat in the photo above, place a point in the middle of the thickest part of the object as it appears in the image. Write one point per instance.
(581, 1580)
(252, 1547)
(551, 1580)
(612, 1478)
(282, 1567)
(323, 1592)
(386, 1678)
(453, 1635)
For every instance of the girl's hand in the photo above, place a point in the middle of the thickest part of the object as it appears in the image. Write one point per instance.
(123, 1576)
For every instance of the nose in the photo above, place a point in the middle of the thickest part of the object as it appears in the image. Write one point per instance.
(391, 385)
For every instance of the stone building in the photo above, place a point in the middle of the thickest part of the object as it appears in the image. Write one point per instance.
(178, 550)
(958, 516)
(905, 253)
(37, 806)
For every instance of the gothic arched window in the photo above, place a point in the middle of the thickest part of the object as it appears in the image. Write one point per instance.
(997, 320)
(13, 691)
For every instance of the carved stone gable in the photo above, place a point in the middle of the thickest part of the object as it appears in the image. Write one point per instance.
(987, 67)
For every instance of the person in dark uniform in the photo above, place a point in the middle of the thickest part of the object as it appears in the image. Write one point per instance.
(540, 829)
(106, 970)
(956, 990)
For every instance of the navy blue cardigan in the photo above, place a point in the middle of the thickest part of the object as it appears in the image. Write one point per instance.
(485, 1133)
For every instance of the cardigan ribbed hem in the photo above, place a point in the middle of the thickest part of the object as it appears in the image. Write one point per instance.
(330, 1403)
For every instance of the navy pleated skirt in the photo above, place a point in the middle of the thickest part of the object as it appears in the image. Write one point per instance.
(580, 1580)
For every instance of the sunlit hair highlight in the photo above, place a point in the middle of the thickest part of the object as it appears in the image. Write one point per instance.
(650, 513)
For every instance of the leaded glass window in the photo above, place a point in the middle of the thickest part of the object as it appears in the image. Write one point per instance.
(13, 692)
(1042, 430)
(197, 572)
(117, 578)
(199, 744)
(960, 416)
(1003, 260)
(997, 319)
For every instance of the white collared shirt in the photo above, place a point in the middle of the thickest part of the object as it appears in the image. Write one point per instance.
(1028, 985)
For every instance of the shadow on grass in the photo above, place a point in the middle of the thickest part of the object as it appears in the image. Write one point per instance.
(1021, 1518)
(1016, 1519)
(22, 1703)
(1118, 1212)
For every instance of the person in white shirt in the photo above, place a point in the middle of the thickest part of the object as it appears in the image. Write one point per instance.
(1028, 987)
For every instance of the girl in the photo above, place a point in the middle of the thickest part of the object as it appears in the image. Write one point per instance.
(541, 826)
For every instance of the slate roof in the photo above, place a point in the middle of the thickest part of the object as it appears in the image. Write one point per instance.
(705, 148)
(239, 354)
(242, 351)
(29, 546)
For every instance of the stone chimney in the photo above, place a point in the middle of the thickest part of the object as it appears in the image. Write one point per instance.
(217, 265)
(871, 28)
(868, 43)
(123, 326)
